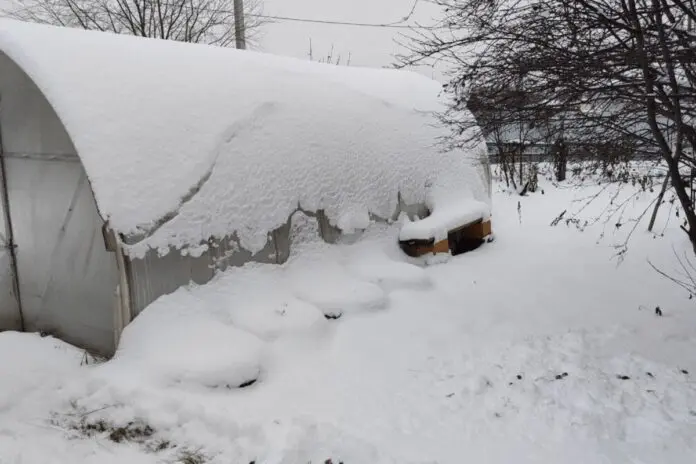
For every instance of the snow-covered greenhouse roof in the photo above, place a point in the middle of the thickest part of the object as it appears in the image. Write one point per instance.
(185, 142)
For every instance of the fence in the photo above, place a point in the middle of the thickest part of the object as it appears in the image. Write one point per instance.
(539, 153)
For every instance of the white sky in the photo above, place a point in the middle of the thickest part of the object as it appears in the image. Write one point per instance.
(374, 47)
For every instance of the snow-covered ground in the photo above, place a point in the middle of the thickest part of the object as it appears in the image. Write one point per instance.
(537, 348)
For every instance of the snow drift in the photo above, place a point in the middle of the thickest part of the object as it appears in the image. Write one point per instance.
(186, 142)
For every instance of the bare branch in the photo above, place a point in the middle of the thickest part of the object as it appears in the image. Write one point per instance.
(202, 21)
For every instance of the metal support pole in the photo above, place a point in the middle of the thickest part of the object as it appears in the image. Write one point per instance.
(10, 245)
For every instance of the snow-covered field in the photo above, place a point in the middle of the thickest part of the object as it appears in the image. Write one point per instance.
(537, 348)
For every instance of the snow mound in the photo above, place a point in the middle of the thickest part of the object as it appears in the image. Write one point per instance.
(390, 275)
(258, 300)
(335, 291)
(172, 345)
(232, 143)
(29, 353)
(29, 361)
(272, 316)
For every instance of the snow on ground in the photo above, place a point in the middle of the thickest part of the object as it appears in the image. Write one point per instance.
(539, 347)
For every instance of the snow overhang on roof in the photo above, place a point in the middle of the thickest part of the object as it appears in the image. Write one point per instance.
(185, 142)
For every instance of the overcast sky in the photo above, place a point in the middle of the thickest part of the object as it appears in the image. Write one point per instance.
(373, 47)
(367, 46)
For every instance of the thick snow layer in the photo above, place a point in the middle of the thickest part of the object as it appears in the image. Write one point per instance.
(389, 274)
(170, 344)
(243, 299)
(515, 352)
(185, 142)
(29, 362)
(335, 296)
(445, 216)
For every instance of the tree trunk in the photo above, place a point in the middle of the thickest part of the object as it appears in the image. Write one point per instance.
(659, 202)
(521, 166)
(684, 199)
(560, 161)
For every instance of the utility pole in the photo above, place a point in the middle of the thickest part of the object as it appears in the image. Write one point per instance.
(239, 29)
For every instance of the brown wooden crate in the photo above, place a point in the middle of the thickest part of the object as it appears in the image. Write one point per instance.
(478, 230)
(487, 228)
(441, 246)
(421, 250)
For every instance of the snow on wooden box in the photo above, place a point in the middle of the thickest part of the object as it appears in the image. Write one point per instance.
(458, 241)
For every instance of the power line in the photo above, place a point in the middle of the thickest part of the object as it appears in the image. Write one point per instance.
(336, 23)
(393, 25)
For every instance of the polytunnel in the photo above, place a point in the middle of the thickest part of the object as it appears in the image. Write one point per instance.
(132, 166)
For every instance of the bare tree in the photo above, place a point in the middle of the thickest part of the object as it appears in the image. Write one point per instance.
(198, 21)
(506, 129)
(620, 72)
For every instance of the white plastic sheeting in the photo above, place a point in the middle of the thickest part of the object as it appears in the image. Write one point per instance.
(67, 279)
